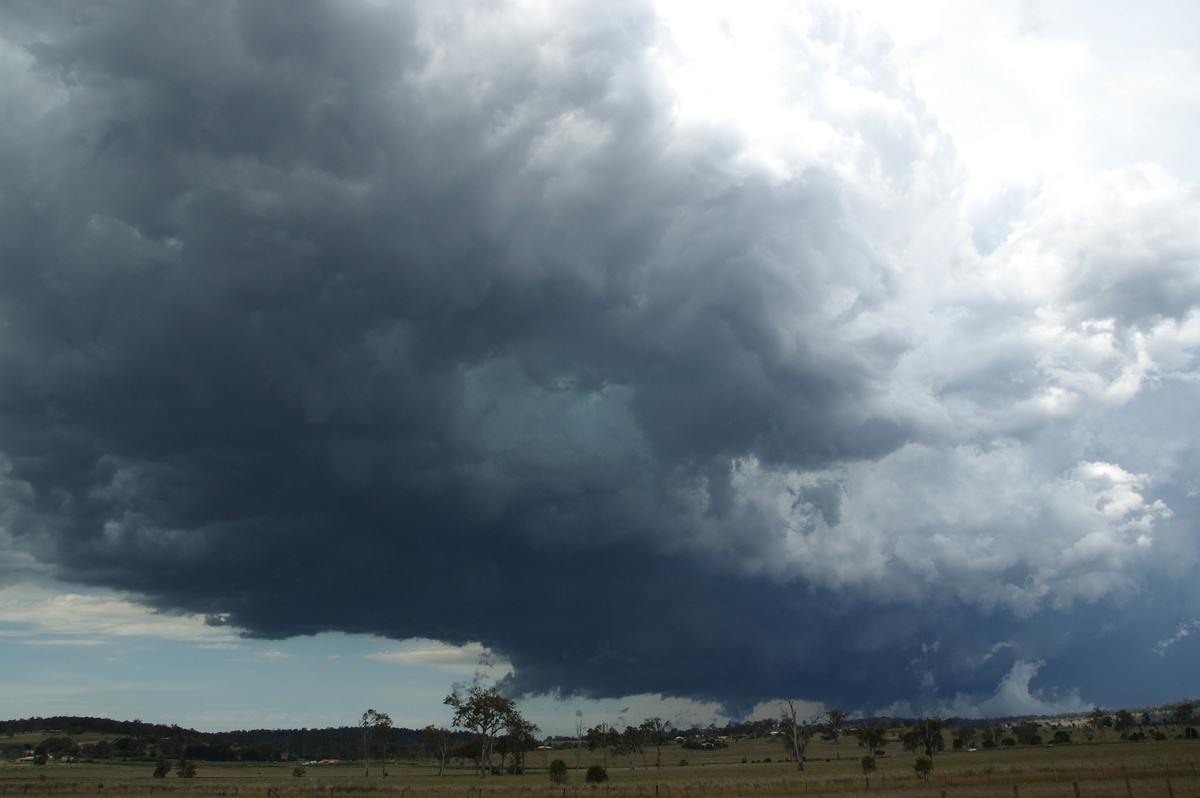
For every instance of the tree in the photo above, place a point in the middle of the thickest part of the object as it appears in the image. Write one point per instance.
(596, 775)
(868, 767)
(923, 765)
(965, 736)
(518, 738)
(1123, 721)
(992, 731)
(1182, 713)
(485, 712)
(655, 730)
(558, 771)
(872, 736)
(1027, 733)
(632, 742)
(368, 725)
(797, 733)
(928, 732)
(437, 745)
(186, 769)
(1098, 720)
(600, 737)
(162, 768)
(383, 725)
(834, 719)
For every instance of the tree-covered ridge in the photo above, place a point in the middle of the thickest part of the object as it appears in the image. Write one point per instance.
(124, 739)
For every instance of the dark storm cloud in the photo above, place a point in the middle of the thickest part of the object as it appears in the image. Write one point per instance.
(379, 318)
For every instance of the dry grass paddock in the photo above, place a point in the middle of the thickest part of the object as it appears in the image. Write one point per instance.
(1089, 770)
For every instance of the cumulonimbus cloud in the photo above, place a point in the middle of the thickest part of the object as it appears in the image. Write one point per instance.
(484, 308)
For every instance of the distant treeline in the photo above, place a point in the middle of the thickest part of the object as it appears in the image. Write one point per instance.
(135, 739)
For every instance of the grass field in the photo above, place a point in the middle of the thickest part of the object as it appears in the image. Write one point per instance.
(1098, 770)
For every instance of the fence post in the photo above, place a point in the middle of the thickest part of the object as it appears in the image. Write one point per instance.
(1075, 785)
(1016, 791)
(1128, 785)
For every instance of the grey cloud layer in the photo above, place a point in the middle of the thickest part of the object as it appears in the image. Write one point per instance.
(456, 305)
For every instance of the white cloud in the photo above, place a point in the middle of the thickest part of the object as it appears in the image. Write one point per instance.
(1184, 631)
(431, 654)
(985, 524)
(1013, 696)
(35, 612)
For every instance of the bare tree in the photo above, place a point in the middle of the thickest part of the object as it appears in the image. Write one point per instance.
(796, 733)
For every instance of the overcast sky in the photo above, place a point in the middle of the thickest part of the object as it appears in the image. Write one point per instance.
(665, 358)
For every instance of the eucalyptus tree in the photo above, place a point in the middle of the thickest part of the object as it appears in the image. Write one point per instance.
(834, 720)
(656, 734)
(798, 733)
(485, 712)
(371, 724)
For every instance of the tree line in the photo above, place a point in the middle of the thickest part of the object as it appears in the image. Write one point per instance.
(488, 730)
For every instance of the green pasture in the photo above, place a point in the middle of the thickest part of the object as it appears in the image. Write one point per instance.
(1099, 770)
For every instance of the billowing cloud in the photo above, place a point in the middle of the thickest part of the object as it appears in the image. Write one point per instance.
(535, 328)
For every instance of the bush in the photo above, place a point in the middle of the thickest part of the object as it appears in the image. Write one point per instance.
(298, 772)
(558, 771)
(187, 770)
(161, 769)
(922, 766)
(596, 774)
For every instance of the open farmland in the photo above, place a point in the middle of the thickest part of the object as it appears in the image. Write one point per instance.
(1099, 770)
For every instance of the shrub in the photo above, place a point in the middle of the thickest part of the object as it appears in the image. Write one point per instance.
(186, 769)
(558, 771)
(868, 765)
(922, 766)
(161, 769)
(298, 772)
(596, 774)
